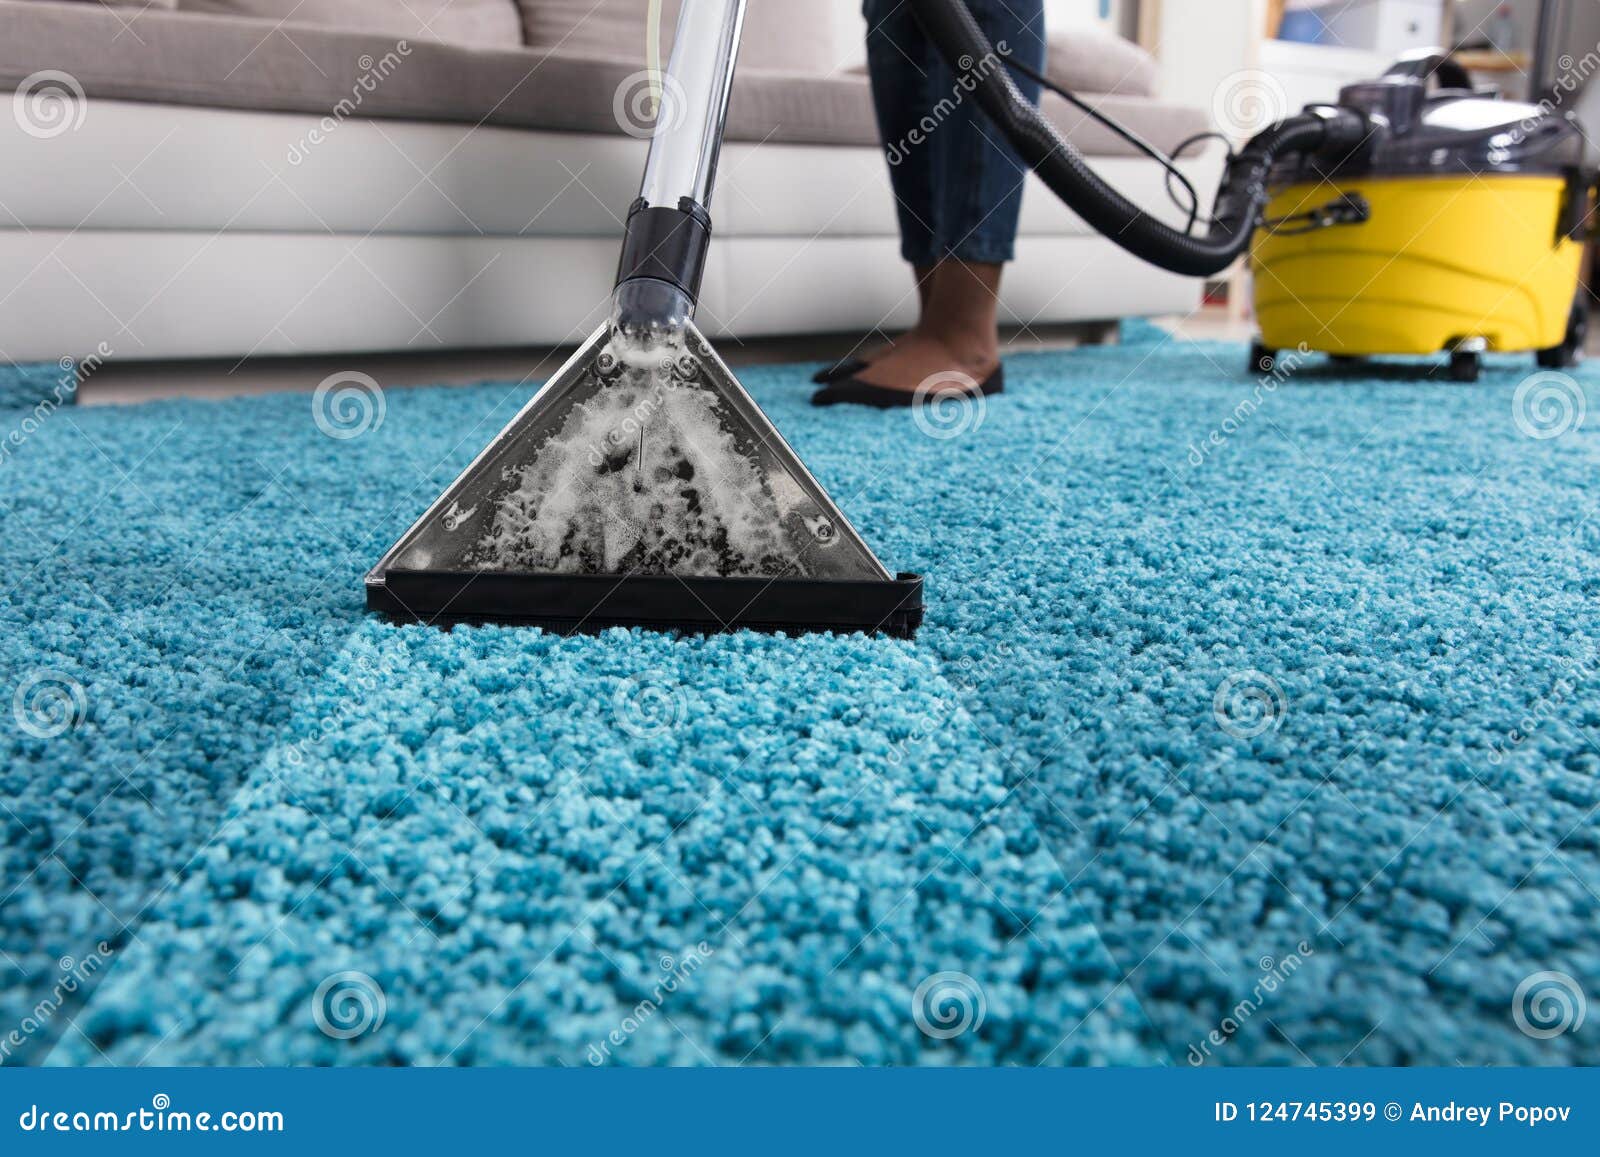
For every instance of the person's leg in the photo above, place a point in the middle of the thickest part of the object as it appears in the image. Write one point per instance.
(978, 182)
(900, 65)
(899, 60)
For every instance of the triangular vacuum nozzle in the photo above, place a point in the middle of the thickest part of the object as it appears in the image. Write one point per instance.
(642, 486)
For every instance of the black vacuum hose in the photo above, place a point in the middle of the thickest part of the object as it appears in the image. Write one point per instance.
(1240, 199)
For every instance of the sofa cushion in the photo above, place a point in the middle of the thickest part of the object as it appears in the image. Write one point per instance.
(1091, 58)
(168, 4)
(778, 35)
(232, 62)
(492, 23)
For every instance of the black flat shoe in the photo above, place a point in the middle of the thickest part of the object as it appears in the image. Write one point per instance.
(839, 371)
(853, 391)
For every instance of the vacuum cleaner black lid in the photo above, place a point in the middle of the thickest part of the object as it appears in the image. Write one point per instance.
(1451, 131)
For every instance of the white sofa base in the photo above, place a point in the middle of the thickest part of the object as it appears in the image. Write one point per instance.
(165, 232)
(189, 295)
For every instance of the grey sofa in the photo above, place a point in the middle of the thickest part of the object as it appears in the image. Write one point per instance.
(377, 175)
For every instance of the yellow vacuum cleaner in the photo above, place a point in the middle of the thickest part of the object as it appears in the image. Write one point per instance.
(1417, 215)
(1459, 229)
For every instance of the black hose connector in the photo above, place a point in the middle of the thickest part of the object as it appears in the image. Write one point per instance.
(666, 244)
(1241, 198)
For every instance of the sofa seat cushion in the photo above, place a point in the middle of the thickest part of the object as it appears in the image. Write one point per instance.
(778, 34)
(131, 3)
(233, 62)
(133, 166)
(1089, 58)
(491, 23)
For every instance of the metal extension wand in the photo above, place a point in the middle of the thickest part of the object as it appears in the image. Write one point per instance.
(669, 226)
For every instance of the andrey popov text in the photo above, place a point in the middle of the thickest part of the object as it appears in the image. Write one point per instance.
(1358, 1112)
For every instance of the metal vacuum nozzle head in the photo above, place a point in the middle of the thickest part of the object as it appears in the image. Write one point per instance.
(642, 486)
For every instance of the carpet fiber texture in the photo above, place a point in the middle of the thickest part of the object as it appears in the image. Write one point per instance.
(33, 385)
(1253, 722)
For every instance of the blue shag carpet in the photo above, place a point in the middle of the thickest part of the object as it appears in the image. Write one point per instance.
(1272, 746)
(27, 386)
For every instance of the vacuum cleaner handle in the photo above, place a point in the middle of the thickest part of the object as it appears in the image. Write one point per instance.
(1425, 63)
(669, 226)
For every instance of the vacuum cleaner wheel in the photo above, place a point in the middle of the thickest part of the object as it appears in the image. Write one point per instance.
(1465, 365)
(1263, 359)
(1570, 352)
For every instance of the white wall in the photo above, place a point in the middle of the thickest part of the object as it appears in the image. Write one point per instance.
(1203, 44)
(1472, 19)
(849, 29)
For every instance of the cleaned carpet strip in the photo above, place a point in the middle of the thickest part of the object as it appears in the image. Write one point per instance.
(503, 835)
(522, 840)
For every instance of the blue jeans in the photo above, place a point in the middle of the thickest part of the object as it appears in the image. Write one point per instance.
(957, 185)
